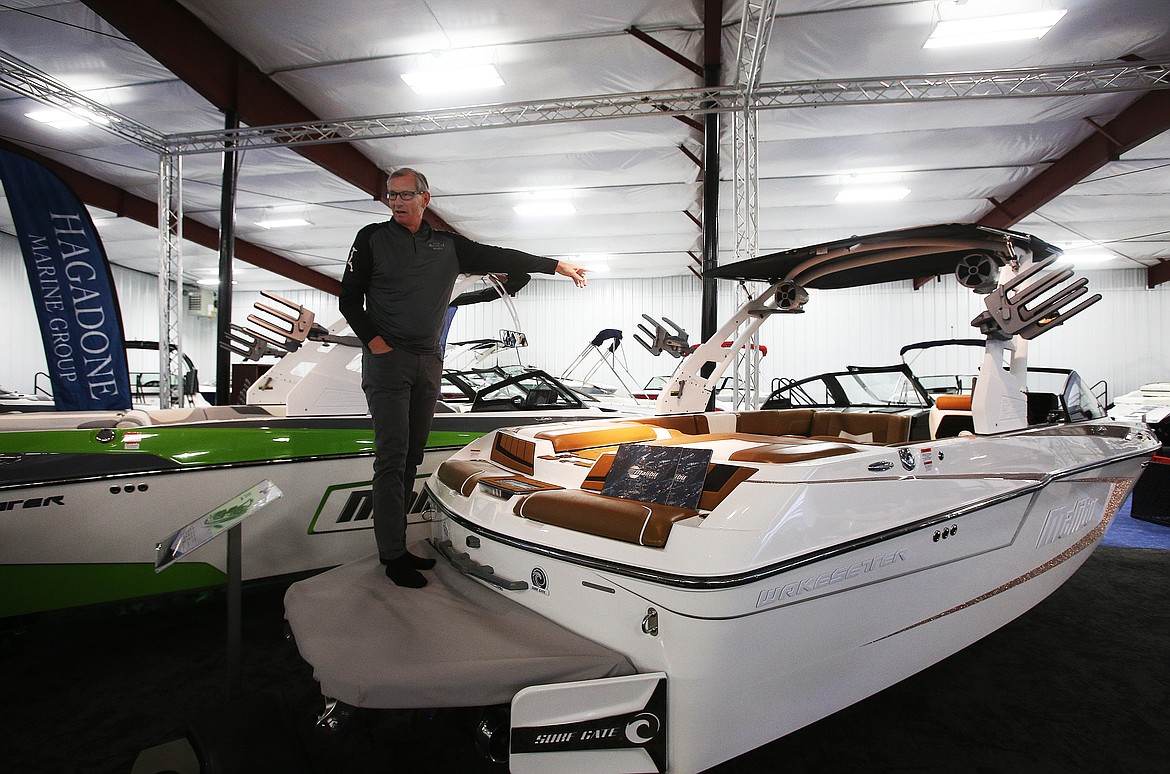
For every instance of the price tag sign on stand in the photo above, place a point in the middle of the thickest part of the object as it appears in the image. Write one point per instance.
(207, 526)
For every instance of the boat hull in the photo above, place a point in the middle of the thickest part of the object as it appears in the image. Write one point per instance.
(81, 512)
(94, 541)
(763, 657)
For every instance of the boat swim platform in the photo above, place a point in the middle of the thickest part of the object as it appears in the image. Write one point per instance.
(452, 643)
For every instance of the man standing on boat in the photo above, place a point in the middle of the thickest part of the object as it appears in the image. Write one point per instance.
(394, 295)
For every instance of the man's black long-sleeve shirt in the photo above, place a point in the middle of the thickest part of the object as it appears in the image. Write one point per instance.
(397, 285)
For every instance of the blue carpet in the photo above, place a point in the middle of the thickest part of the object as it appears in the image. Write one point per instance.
(1128, 532)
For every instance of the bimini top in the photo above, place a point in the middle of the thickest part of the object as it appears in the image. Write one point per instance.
(888, 256)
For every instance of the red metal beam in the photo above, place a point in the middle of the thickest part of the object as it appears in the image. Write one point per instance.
(109, 197)
(1141, 121)
(225, 78)
(1156, 275)
(188, 48)
(1145, 119)
(662, 48)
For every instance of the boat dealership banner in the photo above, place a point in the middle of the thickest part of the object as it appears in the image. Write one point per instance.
(72, 288)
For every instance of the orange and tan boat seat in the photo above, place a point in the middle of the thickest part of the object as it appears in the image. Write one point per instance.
(567, 439)
(861, 428)
(687, 424)
(951, 415)
(775, 422)
(792, 452)
(461, 475)
(633, 521)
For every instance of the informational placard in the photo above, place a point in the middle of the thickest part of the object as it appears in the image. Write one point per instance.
(207, 526)
(665, 475)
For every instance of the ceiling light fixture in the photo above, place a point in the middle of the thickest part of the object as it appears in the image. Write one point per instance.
(1087, 255)
(975, 30)
(549, 203)
(285, 222)
(861, 194)
(447, 71)
(453, 79)
(67, 119)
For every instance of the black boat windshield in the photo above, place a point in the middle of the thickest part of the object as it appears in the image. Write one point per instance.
(1069, 398)
(872, 388)
(498, 389)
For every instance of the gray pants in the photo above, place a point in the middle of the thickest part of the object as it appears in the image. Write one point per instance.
(401, 390)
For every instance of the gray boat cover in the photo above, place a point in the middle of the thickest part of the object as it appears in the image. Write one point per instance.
(453, 643)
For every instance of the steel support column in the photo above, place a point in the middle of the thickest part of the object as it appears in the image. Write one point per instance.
(754, 33)
(712, 75)
(170, 279)
(227, 239)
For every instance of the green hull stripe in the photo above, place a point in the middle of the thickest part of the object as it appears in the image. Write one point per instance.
(33, 588)
(196, 446)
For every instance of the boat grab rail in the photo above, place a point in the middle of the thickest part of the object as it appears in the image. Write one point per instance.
(463, 562)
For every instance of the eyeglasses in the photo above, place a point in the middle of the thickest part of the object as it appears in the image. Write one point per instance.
(403, 195)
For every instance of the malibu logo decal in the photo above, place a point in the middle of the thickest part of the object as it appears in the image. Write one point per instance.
(1064, 521)
(344, 508)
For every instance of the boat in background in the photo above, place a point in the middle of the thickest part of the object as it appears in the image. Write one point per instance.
(86, 496)
(929, 401)
(1150, 403)
(143, 388)
(749, 572)
(12, 401)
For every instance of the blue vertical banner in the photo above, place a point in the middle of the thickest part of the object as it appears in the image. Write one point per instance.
(72, 288)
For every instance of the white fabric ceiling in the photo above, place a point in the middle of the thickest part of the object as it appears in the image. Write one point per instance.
(632, 185)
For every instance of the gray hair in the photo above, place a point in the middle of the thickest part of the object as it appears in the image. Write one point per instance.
(420, 180)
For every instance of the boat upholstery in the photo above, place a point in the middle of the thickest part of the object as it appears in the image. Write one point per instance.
(861, 428)
(950, 416)
(687, 424)
(566, 439)
(953, 402)
(514, 452)
(634, 521)
(680, 440)
(792, 452)
(776, 422)
(462, 475)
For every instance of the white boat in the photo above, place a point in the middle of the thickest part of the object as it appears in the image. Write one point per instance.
(86, 496)
(750, 572)
(12, 401)
(1150, 403)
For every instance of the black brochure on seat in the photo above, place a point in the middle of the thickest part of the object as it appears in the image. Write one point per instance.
(667, 475)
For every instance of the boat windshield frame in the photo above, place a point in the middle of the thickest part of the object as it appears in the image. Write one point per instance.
(501, 389)
(842, 390)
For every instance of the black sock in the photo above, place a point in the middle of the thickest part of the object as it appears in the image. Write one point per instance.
(400, 571)
(417, 562)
